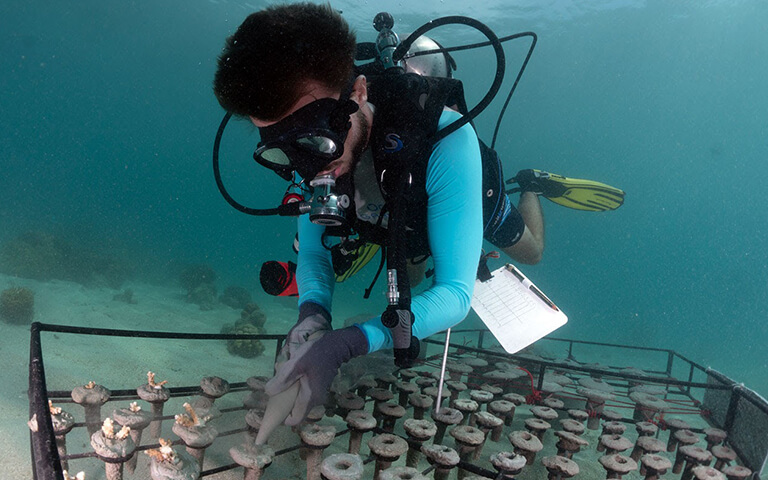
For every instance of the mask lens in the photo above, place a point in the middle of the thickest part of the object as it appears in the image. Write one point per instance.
(275, 156)
(318, 144)
(304, 141)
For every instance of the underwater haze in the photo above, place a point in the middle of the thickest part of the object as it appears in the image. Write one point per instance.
(108, 120)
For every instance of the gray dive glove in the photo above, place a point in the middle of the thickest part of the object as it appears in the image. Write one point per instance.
(314, 363)
(314, 321)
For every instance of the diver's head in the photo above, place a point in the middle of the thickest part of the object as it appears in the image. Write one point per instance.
(323, 133)
(265, 65)
(289, 69)
(321, 138)
(438, 64)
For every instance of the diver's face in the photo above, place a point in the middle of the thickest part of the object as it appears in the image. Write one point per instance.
(357, 140)
(357, 137)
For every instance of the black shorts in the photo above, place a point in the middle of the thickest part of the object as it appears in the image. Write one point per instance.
(503, 224)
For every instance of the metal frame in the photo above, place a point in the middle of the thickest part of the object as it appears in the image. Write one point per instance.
(738, 392)
(46, 463)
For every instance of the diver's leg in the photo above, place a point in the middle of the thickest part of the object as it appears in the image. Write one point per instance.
(530, 246)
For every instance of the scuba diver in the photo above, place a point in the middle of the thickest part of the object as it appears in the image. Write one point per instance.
(373, 156)
(516, 231)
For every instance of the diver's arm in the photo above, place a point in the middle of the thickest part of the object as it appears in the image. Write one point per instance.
(314, 270)
(455, 228)
(454, 222)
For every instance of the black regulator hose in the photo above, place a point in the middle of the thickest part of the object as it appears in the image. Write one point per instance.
(534, 39)
(294, 209)
(405, 45)
(289, 209)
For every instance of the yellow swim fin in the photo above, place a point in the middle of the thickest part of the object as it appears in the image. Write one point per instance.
(362, 255)
(576, 193)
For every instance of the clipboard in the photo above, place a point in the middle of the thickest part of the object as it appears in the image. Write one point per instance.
(514, 309)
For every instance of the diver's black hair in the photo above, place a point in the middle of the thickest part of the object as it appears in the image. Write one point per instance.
(263, 66)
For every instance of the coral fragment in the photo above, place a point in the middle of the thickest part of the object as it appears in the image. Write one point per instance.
(52, 409)
(151, 381)
(190, 419)
(163, 454)
(108, 429)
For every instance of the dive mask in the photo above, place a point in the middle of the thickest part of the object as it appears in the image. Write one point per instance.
(306, 140)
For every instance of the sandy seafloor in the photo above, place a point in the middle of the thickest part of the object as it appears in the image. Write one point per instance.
(122, 363)
(115, 362)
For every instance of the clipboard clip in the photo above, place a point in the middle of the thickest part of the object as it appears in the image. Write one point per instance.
(483, 272)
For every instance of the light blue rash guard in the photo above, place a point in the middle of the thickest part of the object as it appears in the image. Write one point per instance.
(455, 228)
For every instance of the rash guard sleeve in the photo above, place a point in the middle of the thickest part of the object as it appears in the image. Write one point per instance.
(314, 270)
(455, 229)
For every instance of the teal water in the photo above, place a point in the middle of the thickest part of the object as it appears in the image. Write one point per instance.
(108, 121)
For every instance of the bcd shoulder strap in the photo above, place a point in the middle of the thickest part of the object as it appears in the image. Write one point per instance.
(408, 109)
(407, 112)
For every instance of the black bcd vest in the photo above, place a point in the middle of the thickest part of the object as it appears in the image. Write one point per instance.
(407, 111)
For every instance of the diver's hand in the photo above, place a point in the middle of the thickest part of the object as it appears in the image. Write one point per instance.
(314, 321)
(314, 364)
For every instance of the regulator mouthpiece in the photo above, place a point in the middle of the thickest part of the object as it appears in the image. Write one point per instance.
(328, 208)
